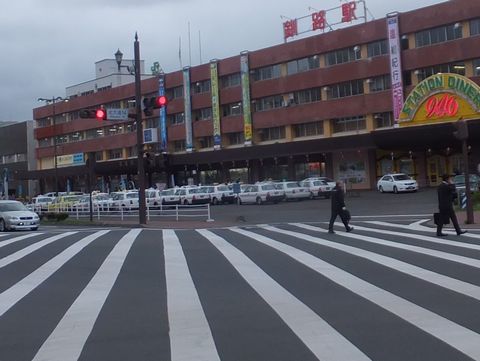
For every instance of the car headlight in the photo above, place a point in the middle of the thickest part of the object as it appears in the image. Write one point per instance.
(13, 218)
(35, 217)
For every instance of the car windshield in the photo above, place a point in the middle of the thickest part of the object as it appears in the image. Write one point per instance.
(168, 192)
(11, 207)
(44, 200)
(292, 185)
(117, 196)
(206, 190)
(132, 195)
(223, 188)
(102, 197)
(460, 179)
(401, 177)
(268, 187)
(71, 198)
(318, 183)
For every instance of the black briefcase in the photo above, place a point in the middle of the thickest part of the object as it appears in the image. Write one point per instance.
(438, 218)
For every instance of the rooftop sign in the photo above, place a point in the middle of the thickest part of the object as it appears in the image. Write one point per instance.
(441, 98)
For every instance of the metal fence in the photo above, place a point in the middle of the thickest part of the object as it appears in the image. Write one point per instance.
(174, 212)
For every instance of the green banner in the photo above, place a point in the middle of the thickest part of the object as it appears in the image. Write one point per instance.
(217, 137)
(247, 115)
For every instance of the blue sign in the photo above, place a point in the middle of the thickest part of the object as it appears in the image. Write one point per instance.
(78, 158)
(163, 115)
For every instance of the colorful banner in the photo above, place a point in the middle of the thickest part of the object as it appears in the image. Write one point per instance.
(217, 137)
(395, 66)
(163, 115)
(247, 115)
(188, 109)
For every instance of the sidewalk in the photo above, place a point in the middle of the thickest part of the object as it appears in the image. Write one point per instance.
(166, 224)
(462, 217)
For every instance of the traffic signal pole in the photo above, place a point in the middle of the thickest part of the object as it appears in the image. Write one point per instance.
(138, 107)
(470, 217)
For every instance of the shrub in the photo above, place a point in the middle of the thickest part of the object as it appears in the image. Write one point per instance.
(53, 216)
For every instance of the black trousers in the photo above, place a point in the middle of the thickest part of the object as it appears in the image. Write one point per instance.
(336, 213)
(448, 214)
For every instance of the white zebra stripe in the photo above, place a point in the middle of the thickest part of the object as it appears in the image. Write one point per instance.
(66, 341)
(16, 239)
(190, 335)
(455, 335)
(322, 339)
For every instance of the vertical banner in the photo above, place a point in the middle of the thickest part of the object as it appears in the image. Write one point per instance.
(188, 109)
(395, 66)
(217, 137)
(163, 115)
(247, 115)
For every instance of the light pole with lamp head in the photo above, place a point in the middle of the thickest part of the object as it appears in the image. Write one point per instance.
(138, 112)
(53, 101)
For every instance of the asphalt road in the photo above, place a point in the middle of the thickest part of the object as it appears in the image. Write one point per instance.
(386, 291)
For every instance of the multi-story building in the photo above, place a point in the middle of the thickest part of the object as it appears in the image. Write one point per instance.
(17, 156)
(321, 105)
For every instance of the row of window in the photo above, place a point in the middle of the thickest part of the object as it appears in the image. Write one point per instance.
(13, 158)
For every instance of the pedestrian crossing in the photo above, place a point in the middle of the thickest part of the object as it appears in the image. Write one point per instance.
(283, 292)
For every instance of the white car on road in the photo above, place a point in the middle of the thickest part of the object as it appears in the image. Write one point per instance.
(398, 182)
(220, 194)
(293, 190)
(260, 193)
(317, 188)
(15, 216)
(192, 195)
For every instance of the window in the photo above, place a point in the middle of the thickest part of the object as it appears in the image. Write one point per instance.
(10, 158)
(301, 65)
(349, 124)
(21, 157)
(476, 67)
(232, 109)
(132, 152)
(45, 142)
(343, 56)
(75, 137)
(174, 93)
(93, 133)
(205, 142)
(179, 145)
(201, 87)
(307, 96)
(475, 27)
(383, 120)
(203, 114)
(113, 129)
(98, 156)
(380, 83)
(377, 48)
(268, 103)
(236, 138)
(438, 35)
(230, 80)
(272, 133)
(177, 118)
(115, 153)
(349, 88)
(308, 129)
(458, 68)
(268, 72)
(44, 122)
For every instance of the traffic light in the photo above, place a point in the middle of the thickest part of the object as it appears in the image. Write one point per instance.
(153, 103)
(461, 132)
(99, 114)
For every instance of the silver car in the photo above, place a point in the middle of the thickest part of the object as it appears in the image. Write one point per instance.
(15, 216)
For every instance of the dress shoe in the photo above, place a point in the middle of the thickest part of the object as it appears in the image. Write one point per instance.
(350, 229)
(442, 234)
(461, 232)
(330, 231)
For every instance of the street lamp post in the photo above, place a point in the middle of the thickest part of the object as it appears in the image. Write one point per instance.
(52, 101)
(138, 112)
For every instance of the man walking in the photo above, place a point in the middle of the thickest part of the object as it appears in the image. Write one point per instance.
(338, 208)
(446, 195)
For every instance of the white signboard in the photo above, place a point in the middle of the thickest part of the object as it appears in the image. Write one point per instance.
(117, 114)
(395, 66)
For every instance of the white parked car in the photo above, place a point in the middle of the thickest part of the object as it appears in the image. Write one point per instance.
(169, 196)
(293, 190)
(220, 194)
(398, 182)
(317, 188)
(15, 216)
(260, 193)
(192, 195)
(128, 199)
(40, 203)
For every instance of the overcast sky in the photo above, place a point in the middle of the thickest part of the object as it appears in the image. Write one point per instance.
(48, 45)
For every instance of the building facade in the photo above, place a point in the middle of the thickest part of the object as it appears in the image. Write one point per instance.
(315, 106)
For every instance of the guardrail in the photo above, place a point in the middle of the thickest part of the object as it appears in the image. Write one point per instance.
(176, 211)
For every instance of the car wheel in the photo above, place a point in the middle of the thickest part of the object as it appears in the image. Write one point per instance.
(2, 226)
(380, 188)
(258, 201)
(214, 201)
(395, 189)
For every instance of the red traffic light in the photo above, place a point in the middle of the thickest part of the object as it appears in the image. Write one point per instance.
(160, 101)
(101, 114)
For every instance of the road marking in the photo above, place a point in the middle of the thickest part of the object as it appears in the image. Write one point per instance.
(11, 296)
(323, 340)
(19, 238)
(66, 341)
(393, 216)
(455, 335)
(32, 248)
(453, 284)
(190, 335)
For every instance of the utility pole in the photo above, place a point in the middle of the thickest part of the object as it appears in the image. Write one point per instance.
(138, 107)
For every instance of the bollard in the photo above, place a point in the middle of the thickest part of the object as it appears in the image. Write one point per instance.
(176, 209)
(208, 217)
(121, 212)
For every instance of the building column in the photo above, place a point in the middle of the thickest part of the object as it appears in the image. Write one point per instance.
(372, 165)
(291, 169)
(329, 165)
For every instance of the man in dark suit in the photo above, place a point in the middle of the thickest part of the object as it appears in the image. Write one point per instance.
(446, 195)
(338, 208)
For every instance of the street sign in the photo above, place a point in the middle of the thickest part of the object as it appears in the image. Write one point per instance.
(117, 114)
